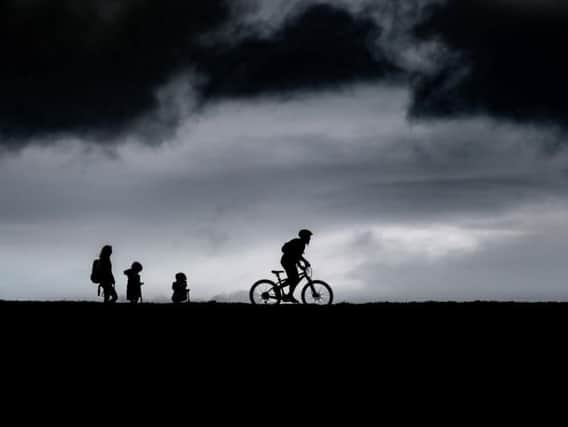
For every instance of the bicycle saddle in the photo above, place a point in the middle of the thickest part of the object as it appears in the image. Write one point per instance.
(277, 272)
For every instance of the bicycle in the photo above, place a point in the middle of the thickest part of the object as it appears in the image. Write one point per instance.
(268, 292)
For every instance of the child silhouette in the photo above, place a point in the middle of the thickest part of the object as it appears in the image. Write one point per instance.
(134, 285)
(181, 291)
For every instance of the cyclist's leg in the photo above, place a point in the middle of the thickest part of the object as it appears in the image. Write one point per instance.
(293, 276)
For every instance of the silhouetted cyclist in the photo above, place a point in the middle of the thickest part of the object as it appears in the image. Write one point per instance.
(105, 274)
(293, 255)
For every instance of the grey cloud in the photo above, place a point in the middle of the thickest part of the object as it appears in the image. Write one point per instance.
(393, 170)
(525, 268)
(234, 184)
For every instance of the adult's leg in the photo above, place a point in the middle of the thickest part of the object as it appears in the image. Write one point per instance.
(106, 291)
(113, 295)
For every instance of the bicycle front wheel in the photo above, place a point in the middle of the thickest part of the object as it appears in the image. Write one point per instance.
(265, 292)
(317, 293)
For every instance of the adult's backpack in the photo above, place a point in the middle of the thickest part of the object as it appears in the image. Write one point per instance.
(95, 274)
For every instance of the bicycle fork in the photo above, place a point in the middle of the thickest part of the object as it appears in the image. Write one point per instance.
(312, 288)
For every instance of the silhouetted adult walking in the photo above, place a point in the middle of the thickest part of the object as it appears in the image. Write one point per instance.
(105, 275)
(293, 254)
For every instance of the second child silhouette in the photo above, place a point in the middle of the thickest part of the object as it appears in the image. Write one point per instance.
(134, 285)
(181, 292)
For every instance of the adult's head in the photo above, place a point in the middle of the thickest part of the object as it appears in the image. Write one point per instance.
(305, 235)
(106, 251)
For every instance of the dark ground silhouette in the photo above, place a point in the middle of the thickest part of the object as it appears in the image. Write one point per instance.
(373, 321)
(393, 349)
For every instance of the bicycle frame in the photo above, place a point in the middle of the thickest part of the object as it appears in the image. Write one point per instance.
(282, 283)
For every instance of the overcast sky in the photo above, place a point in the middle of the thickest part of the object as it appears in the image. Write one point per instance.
(423, 142)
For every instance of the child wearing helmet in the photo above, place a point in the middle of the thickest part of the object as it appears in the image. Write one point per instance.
(181, 291)
(134, 285)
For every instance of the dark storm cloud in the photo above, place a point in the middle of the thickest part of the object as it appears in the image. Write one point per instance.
(97, 66)
(106, 68)
(507, 60)
(316, 47)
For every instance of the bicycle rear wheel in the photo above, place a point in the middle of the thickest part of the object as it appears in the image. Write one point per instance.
(265, 292)
(317, 293)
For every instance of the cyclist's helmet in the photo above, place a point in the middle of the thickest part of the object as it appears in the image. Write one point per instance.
(305, 233)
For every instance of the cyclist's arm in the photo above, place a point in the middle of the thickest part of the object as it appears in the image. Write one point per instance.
(305, 261)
